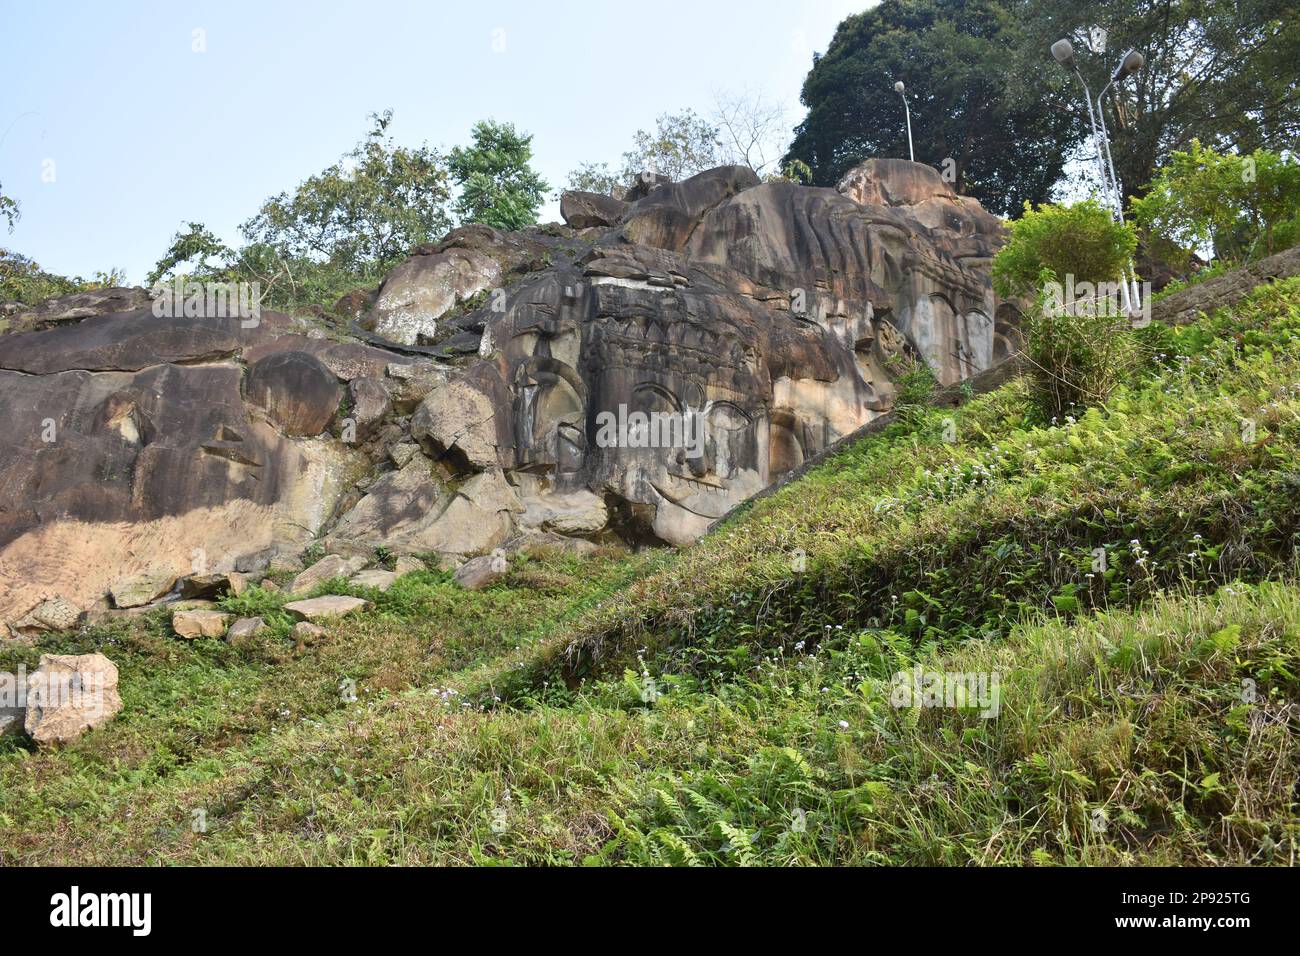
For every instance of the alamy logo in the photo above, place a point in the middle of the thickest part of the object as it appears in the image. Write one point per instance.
(73, 909)
(1103, 299)
(978, 691)
(651, 430)
(210, 300)
(53, 691)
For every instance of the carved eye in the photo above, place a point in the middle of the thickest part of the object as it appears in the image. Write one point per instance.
(651, 397)
(728, 417)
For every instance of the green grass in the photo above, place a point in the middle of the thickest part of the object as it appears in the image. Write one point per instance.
(1148, 713)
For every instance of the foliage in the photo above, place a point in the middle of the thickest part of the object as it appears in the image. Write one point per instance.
(1081, 240)
(372, 207)
(498, 187)
(23, 280)
(978, 97)
(193, 246)
(341, 229)
(1221, 71)
(10, 210)
(681, 145)
(1231, 203)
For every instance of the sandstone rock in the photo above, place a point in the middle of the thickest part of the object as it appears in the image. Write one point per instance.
(327, 568)
(576, 513)
(244, 630)
(422, 290)
(298, 392)
(141, 589)
(305, 634)
(736, 329)
(13, 704)
(155, 455)
(325, 608)
(379, 580)
(583, 210)
(70, 694)
(77, 306)
(457, 422)
(480, 573)
(370, 404)
(405, 565)
(209, 586)
(285, 564)
(192, 604)
(402, 453)
(52, 614)
(195, 624)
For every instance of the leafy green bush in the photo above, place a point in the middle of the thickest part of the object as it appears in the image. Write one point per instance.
(1070, 258)
(1081, 240)
(1241, 206)
(23, 280)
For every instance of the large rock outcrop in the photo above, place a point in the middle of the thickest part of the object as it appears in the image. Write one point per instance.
(635, 374)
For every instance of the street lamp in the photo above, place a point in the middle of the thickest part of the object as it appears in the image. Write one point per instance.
(1130, 63)
(901, 90)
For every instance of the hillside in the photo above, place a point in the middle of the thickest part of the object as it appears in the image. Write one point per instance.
(731, 703)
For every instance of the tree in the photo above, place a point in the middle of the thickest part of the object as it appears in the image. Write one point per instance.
(498, 187)
(1221, 71)
(195, 246)
(364, 212)
(984, 109)
(753, 131)
(9, 209)
(1230, 203)
(681, 145)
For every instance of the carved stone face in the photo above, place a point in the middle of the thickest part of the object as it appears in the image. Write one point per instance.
(712, 345)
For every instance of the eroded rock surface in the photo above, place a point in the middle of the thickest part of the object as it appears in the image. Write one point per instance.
(631, 376)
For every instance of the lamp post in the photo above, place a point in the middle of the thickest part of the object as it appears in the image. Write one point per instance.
(901, 90)
(1131, 62)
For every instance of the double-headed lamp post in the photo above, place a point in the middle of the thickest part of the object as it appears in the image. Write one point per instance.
(1131, 62)
(901, 90)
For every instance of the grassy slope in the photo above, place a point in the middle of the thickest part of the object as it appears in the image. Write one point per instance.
(1124, 734)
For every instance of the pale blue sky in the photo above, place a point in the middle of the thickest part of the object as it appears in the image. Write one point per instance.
(141, 133)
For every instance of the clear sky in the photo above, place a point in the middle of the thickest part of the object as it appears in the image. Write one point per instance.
(114, 130)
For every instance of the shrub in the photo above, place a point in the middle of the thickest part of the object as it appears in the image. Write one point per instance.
(1081, 240)
(1079, 344)
(1241, 206)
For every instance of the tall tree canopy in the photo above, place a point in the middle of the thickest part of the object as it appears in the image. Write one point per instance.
(369, 208)
(981, 98)
(1219, 71)
(498, 186)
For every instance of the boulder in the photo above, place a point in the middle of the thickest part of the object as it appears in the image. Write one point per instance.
(422, 290)
(575, 513)
(457, 422)
(52, 614)
(325, 608)
(209, 586)
(244, 630)
(326, 569)
(195, 624)
(405, 564)
(297, 391)
(379, 580)
(480, 573)
(69, 695)
(370, 405)
(584, 210)
(305, 634)
(141, 589)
